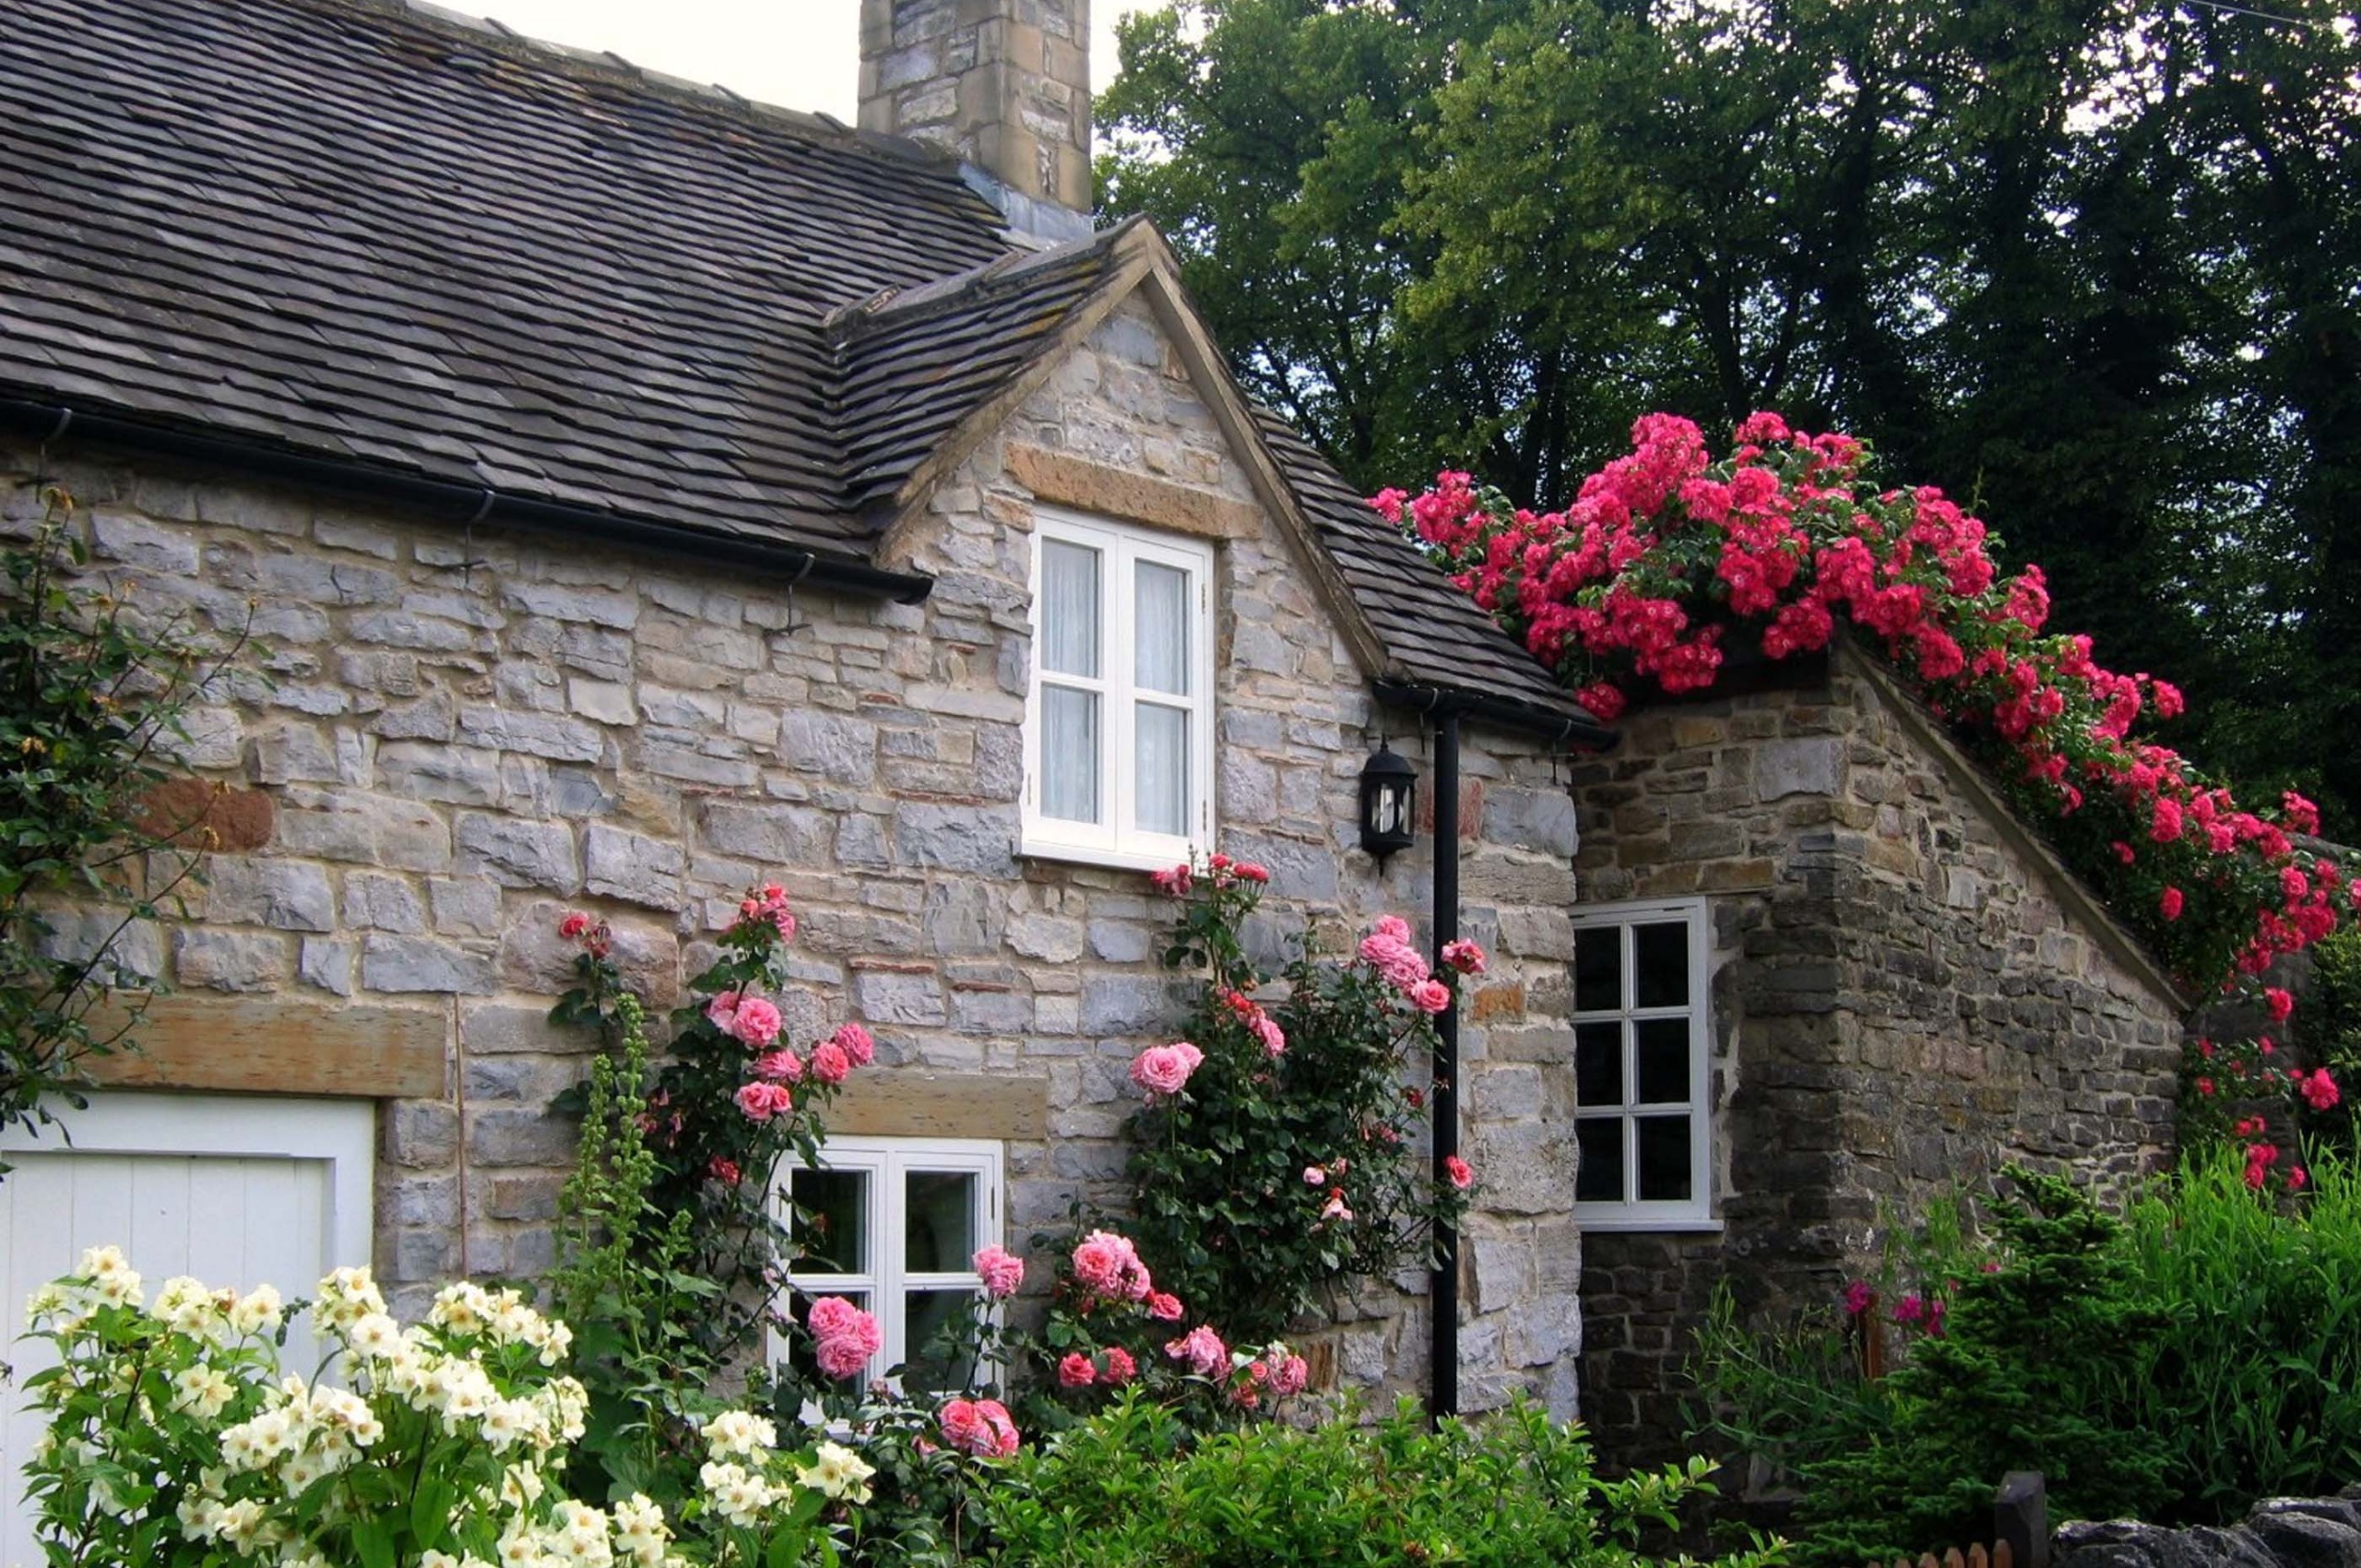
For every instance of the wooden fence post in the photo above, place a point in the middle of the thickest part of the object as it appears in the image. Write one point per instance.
(2020, 1519)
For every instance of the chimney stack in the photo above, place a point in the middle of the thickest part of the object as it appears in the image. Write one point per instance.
(1002, 84)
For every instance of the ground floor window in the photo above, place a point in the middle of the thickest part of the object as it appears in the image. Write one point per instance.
(1644, 1102)
(893, 1225)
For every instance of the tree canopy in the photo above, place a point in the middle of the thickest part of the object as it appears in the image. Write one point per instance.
(2092, 265)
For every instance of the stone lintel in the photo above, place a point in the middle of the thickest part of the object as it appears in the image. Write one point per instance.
(273, 1045)
(913, 1102)
(1068, 481)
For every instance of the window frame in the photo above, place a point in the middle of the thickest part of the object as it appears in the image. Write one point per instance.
(1117, 841)
(886, 1281)
(1694, 1213)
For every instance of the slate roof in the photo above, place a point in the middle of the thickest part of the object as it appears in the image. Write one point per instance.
(368, 233)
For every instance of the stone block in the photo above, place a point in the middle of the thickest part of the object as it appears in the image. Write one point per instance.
(421, 1135)
(382, 902)
(1046, 937)
(517, 852)
(464, 906)
(550, 735)
(976, 838)
(634, 867)
(606, 701)
(839, 747)
(897, 996)
(1114, 1006)
(370, 830)
(567, 601)
(1811, 766)
(229, 960)
(147, 546)
(245, 890)
(404, 964)
(500, 1028)
(504, 1136)
(327, 963)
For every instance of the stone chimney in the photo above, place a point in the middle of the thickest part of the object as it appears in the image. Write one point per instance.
(1002, 84)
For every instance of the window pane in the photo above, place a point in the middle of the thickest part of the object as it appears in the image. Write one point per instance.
(1068, 613)
(1069, 753)
(799, 1346)
(1664, 1157)
(940, 1208)
(1660, 954)
(1598, 1175)
(1662, 1048)
(931, 1368)
(1161, 738)
(1599, 1065)
(1160, 623)
(831, 1222)
(1598, 968)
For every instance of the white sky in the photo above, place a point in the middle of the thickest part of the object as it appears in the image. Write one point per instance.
(791, 53)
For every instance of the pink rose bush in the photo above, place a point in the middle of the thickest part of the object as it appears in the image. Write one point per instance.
(1316, 1070)
(981, 1428)
(1667, 558)
(734, 1096)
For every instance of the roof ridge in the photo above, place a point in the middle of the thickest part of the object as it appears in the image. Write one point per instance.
(610, 66)
(847, 323)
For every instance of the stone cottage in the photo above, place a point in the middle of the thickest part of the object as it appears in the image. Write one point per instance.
(1902, 989)
(641, 493)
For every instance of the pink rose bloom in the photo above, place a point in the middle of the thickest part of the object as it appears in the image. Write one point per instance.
(1163, 1069)
(829, 1063)
(780, 1066)
(1174, 883)
(847, 1337)
(1202, 1349)
(1290, 1377)
(1253, 870)
(1430, 996)
(1164, 1307)
(722, 1010)
(1910, 1309)
(856, 1043)
(756, 1023)
(1001, 1272)
(1121, 1368)
(2320, 1090)
(1336, 1208)
(1857, 1297)
(1465, 957)
(1392, 926)
(980, 1426)
(760, 1100)
(1098, 1263)
(1264, 1027)
(1461, 1175)
(574, 926)
(2281, 1003)
(1314, 1177)
(1075, 1370)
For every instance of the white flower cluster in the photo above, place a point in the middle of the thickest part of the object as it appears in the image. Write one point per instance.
(741, 1492)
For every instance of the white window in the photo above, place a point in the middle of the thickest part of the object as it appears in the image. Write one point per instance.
(1644, 1103)
(893, 1225)
(1119, 718)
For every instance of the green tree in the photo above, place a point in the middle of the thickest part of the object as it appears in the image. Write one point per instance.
(2091, 263)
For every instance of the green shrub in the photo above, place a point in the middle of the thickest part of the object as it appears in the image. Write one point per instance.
(2254, 1380)
(1125, 1489)
(2175, 1365)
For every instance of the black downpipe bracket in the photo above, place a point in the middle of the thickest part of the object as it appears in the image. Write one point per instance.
(463, 504)
(1442, 1373)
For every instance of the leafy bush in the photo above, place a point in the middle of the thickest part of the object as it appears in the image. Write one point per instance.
(176, 1438)
(1287, 1154)
(1126, 1489)
(2175, 1365)
(92, 695)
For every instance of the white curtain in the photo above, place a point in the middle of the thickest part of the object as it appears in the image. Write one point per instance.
(1160, 734)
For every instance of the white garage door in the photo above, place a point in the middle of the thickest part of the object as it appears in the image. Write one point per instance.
(235, 1190)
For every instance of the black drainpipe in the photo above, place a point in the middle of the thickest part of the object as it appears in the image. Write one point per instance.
(463, 503)
(1442, 1374)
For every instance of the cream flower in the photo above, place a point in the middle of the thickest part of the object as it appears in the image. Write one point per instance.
(257, 1311)
(838, 1472)
(739, 1432)
(202, 1391)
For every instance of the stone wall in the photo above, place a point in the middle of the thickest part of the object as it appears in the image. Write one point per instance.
(1907, 993)
(2280, 1532)
(464, 735)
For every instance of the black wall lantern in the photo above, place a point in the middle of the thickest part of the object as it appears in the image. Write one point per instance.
(1389, 788)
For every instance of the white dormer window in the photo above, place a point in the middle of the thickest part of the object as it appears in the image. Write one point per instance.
(1119, 718)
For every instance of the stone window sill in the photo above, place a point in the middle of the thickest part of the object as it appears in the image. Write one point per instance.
(1647, 1224)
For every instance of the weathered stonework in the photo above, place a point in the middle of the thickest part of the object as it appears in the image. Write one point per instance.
(1002, 84)
(464, 735)
(1905, 995)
